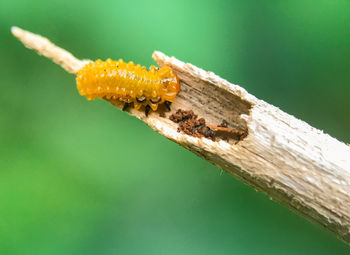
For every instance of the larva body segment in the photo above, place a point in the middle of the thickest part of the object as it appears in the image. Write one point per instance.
(128, 83)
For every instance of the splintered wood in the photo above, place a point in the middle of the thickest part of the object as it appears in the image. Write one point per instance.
(293, 163)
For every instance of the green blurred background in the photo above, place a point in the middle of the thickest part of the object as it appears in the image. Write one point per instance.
(79, 177)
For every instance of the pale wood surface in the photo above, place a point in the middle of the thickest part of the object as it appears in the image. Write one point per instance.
(292, 162)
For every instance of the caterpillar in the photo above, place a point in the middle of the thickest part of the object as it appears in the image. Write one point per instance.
(129, 83)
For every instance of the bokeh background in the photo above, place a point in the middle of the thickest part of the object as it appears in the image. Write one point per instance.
(79, 177)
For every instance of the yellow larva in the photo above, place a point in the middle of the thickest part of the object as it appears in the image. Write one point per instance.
(129, 83)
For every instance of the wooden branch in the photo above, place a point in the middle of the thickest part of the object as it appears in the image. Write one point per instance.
(292, 162)
(44, 47)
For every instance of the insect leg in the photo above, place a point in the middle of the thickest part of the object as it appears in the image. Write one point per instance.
(147, 109)
(126, 106)
(167, 105)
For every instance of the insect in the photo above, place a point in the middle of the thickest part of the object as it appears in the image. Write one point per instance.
(129, 83)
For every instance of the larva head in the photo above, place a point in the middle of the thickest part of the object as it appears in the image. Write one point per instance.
(170, 83)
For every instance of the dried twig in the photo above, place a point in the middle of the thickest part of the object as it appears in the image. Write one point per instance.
(292, 162)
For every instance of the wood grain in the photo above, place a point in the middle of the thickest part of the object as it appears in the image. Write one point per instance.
(293, 163)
